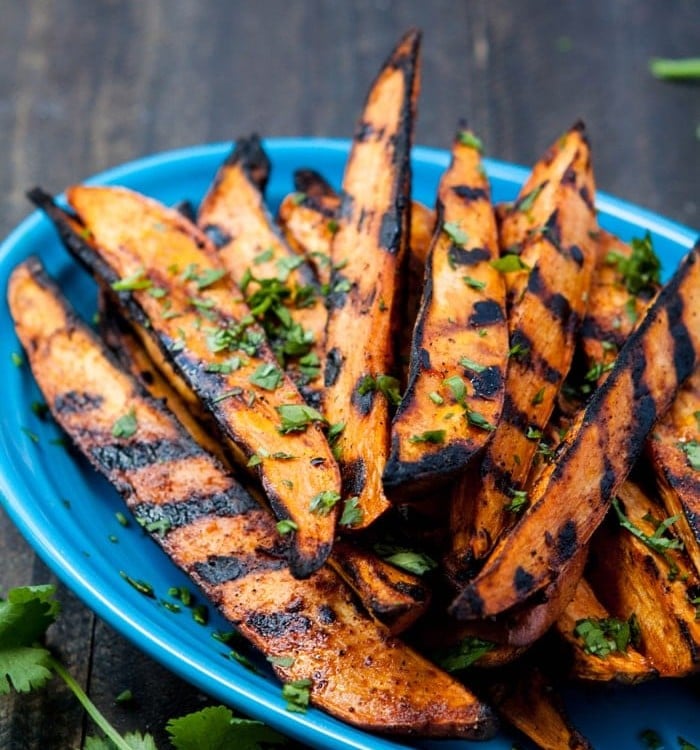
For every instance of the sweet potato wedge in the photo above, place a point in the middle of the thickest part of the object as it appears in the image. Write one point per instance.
(543, 321)
(529, 702)
(279, 286)
(572, 496)
(655, 584)
(675, 452)
(459, 350)
(213, 530)
(177, 296)
(626, 665)
(365, 299)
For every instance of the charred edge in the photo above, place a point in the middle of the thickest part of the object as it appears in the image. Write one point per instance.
(326, 615)
(187, 209)
(555, 302)
(569, 177)
(488, 383)
(219, 569)
(468, 193)
(354, 476)
(458, 256)
(277, 624)
(486, 313)
(390, 230)
(688, 486)
(450, 460)
(217, 235)
(607, 481)
(365, 131)
(468, 604)
(595, 329)
(334, 364)
(523, 581)
(73, 402)
(576, 255)
(250, 155)
(684, 355)
(234, 502)
(587, 198)
(301, 565)
(312, 395)
(514, 416)
(363, 402)
(566, 541)
(403, 57)
(313, 185)
(551, 231)
(335, 300)
(134, 456)
(414, 591)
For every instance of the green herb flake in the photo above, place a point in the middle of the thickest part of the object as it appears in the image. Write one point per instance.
(264, 256)
(352, 513)
(121, 519)
(678, 69)
(170, 607)
(533, 433)
(132, 283)
(209, 276)
(297, 198)
(474, 283)
(509, 264)
(17, 359)
(518, 502)
(453, 230)
(467, 138)
(518, 350)
(457, 388)
(125, 696)
(237, 391)
(641, 270)
(285, 526)
(436, 398)
(324, 502)
(604, 636)
(435, 437)
(470, 364)
(385, 384)
(286, 265)
(141, 586)
(526, 203)
(417, 563)
(478, 420)
(538, 398)
(126, 425)
(332, 226)
(200, 614)
(297, 695)
(297, 417)
(267, 376)
(157, 292)
(229, 366)
(691, 448)
(468, 651)
(31, 435)
(281, 661)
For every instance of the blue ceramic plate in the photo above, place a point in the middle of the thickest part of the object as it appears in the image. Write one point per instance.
(67, 512)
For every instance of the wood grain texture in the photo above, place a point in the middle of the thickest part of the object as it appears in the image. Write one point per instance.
(86, 85)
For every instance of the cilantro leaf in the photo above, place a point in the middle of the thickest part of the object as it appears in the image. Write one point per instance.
(603, 636)
(641, 270)
(509, 264)
(135, 740)
(692, 452)
(463, 655)
(221, 729)
(453, 230)
(297, 417)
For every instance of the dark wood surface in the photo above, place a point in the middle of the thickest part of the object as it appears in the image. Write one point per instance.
(85, 85)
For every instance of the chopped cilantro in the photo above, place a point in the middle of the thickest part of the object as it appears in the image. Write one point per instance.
(468, 651)
(297, 417)
(297, 695)
(455, 232)
(126, 425)
(332, 226)
(385, 384)
(509, 264)
(436, 398)
(518, 350)
(691, 448)
(264, 256)
(641, 270)
(287, 265)
(142, 587)
(467, 138)
(470, 364)
(518, 502)
(352, 513)
(323, 503)
(417, 563)
(457, 388)
(478, 420)
(230, 365)
(267, 376)
(474, 283)
(538, 398)
(286, 526)
(605, 636)
(133, 282)
(526, 203)
(17, 359)
(429, 436)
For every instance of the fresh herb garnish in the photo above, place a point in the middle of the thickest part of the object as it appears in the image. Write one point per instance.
(679, 69)
(518, 350)
(467, 138)
(457, 388)
(133, 282)
(641, 271)
(352, 513)
(468, 651)
(470, 364)
(267, 376)
(518, 502)
(297, 417)
(288, 264)
(605, 636)
(126, 425)
(143, 587)
(473, 283)
(17, 359)
(324, 502)
(538, 398)
(385, 384)
(429, 436)
(417, 563)
(264, 256)
(285, 526)
(453, 230)
(436, 398)
(691, 448)
(297, 695)
(526, 203)
(478, 420)
(509, 264)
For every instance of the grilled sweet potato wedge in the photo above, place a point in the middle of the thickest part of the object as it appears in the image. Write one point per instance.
(543, 321)
(590, 661)
(675, 452)
(173, 291)
(460, 341)
(637, 577)
(391, 596)
(225, 541)
(572, 495)
(278, 284)
(365, 299)
(529, 702)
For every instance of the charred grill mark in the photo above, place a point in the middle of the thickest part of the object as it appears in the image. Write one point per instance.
(607, 480)
(138, 455)
(555, 302)
(222, 568)
(334, 364)
(486, 313)
(250, 155)
(502, 478)
(459, 256)
(576, 255)
(523, 581)
(468, 193)
(412, 590)
(277, 624)
(363, 402)
(448, 460)
(217, 235)
(514, 416)
(234, 502)
(569, 177)
(187, 209)
(326, 615)
(73, 402)
(424, 359)
(337, 298)
(488, 383)
(354, 476)
(314, 185)
(347, 205)
(593, 328)
(390, 231)
(364, 131)
(566, 541)
(586, 196)
(683, 352)
(551, 231)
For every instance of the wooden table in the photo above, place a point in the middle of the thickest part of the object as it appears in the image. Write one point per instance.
(85, 85)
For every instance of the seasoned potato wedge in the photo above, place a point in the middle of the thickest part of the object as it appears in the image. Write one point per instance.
(365, 299)
(206, 332)
(216, 533)
(460, 341)
(279, 286)
(543, 321)
(572, 496)
(655, 584)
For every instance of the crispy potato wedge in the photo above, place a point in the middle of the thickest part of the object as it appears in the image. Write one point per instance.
(675, 451)
(207, 334)
(657, 588)
(460, 341)
(627, 666)
(280, 287)
(529, 701)
(572, 496)
(543, 321)
(365, 298)
(228, 544)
